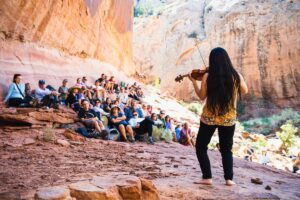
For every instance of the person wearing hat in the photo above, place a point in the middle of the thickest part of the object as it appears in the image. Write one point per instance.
(64, 91)
(90, 120)
(72, 99)
(45, 96)
(118, 120)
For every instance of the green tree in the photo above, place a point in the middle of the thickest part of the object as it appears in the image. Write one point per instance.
(287, 135)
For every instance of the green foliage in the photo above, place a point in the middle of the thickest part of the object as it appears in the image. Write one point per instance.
(265, 125)
(48, 135)
(145, 9)
(287, 135)
(240, 108)
(195, 108)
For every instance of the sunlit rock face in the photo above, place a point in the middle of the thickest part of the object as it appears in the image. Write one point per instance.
(261, 37)
(99, 30)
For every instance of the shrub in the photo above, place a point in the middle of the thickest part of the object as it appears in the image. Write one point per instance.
(266, 125)
(143, 9)
(195, 108)
(287, 135)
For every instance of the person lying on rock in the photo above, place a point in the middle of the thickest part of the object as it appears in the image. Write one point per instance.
(64, 91)
(45, 96)
(89, 118)
(118, 121)
(72, 99)
(16, 93)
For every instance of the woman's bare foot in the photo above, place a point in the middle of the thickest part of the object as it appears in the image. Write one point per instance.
(230, 183)
(204, 182)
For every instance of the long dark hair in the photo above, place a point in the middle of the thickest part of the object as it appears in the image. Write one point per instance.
(222, 82)
(15, 77)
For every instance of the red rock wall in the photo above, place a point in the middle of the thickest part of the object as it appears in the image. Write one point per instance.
(98, 29)
(261, 37)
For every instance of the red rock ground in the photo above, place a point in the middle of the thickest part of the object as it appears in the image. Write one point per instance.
(172, 167)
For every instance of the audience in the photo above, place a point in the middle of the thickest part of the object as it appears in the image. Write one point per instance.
(186, 136)
(125, 112)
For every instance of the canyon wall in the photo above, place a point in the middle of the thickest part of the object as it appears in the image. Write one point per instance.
(261, 37)
(76, 30)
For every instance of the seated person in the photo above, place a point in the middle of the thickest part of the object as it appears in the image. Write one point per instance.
(99, 91)
(90, 119)
(145, 110)
(107, 105)
(29, 93)
(177, 133)
(123, 95)
(72, 99)
(99, 110)
(110, 85)
(81, 95)
(161, 117)
(78, 83)
(64, 91)
(101, 79)
(118, 120)
(129, 111)
(169, 123)
(45, 96)
(16, 93)
(142, 126)
(88, 92)
(132, 94)
(186, 136)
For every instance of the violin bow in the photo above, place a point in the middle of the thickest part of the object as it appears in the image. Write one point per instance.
(196, 42)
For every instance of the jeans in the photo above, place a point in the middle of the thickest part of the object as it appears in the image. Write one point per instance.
(225, 140)
(16, 102)
(145, 127)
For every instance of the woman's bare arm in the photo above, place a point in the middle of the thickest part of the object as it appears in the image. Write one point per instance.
(202, 91)
(243, 85)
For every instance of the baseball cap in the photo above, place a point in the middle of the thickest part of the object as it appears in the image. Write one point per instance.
(42, 82)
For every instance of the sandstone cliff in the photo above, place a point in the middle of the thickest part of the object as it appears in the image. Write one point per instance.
(37, 38)
(260, 36)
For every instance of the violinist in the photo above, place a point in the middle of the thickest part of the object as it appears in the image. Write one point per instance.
(220, 87)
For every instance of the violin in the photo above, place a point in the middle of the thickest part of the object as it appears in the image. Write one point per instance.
(196, 74)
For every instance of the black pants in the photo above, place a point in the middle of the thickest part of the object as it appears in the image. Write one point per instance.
(145, 127)
(225, 140)
(16, 102)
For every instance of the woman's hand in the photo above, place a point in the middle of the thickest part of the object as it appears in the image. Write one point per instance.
(191, 78)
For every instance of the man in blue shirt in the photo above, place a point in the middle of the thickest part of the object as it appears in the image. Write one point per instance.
(133, 107)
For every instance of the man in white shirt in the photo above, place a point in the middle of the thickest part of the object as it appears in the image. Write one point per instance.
(134, 121)
(123, 96)
(44, 95)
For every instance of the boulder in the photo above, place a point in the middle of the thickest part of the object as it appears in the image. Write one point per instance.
(121, 187)
(88, 191)
(62, 118)
(53, 193)
(149, 191)
(63, 143)
(28, 141)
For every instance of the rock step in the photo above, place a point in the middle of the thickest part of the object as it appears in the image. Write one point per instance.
(121, 187)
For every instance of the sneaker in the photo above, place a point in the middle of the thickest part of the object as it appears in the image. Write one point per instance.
(150, 140)
(131, 140)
